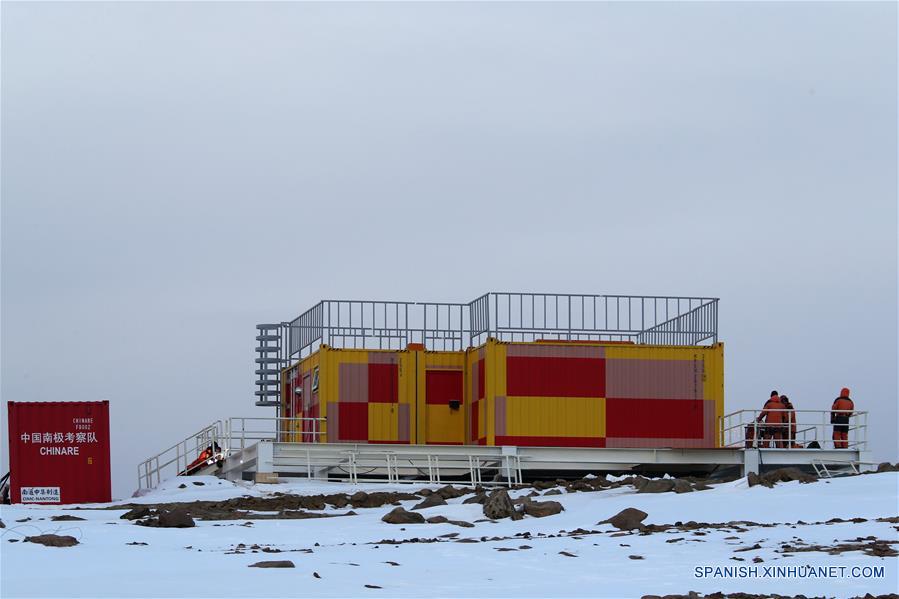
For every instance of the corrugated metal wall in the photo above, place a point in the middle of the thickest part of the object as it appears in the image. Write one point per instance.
(529, 394)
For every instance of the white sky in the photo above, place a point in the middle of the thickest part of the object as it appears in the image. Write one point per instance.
(173, 174)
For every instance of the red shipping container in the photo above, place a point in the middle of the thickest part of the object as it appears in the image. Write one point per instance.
(59, 452)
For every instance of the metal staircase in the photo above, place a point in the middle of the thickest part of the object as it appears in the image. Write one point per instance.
(176, 459)
(269, 362)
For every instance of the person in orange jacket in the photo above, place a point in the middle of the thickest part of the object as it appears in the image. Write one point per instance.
(839, 418)
(789, 422)
(773, 415)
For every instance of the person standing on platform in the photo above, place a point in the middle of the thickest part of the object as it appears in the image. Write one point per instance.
(841, 412)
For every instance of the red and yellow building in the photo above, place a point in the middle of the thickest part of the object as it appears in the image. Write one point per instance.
(539, 393)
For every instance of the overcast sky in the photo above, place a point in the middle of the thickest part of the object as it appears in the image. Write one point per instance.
(173, 174)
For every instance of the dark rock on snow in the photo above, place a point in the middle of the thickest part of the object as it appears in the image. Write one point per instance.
(450, 492)
(432, 500)
(627, 519)
(136, 513)
(540, 509)
(53, 540)
(175, 519)
(682, 486)
(286, 563)
(477, 498)
(662, 485)
(401, 516)
(499, 505)
(781, 475)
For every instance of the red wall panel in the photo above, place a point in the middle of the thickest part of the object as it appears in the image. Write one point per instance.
(353, 422)
(555, 377)
(443, 385)
(528, 441)
(654, 418)
(383, 383)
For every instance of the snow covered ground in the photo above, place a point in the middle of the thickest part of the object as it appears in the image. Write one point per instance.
(193, 562)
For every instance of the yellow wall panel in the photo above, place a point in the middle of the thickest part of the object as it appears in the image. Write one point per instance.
(444, 425)
(555, 416)
(382, 422)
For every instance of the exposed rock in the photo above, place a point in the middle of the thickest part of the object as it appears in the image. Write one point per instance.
(450, 492)
(477, 498)
(136, 513)
(2, 525)
(401, 516)
(284, 563)
(380, 498)
(65, 518)
(445, 520)
(177, 518)
(662, 485)
(53, 540)
(540, 509)
(580, 485)
(627, 519)
(887, 467)
(135, 543)
(682, 486)
(433, 500)
(781, 475)
(372, 586)
(566, 554)
(338, 500)
(182, 486)
(499, 505)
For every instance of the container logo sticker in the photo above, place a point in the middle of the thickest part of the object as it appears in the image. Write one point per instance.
(40, 494)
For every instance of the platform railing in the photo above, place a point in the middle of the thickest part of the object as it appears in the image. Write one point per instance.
(177, 458)
(356, 463)
(241, 432)
(798, 429)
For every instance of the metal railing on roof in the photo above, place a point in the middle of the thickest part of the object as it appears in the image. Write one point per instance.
(795, 429)
(506, 316)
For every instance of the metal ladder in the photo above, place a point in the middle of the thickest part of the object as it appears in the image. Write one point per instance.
(268, 365)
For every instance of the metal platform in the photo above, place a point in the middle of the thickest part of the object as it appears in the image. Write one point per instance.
(507, 465)
(252, 448)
